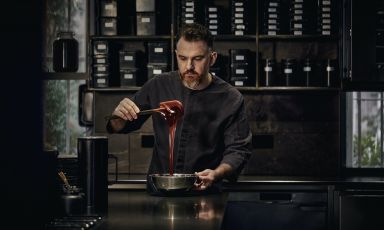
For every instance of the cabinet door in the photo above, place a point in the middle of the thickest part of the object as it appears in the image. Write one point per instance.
(361, 210)
(364, 28)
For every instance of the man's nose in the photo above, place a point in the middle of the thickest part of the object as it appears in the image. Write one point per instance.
(190, 65)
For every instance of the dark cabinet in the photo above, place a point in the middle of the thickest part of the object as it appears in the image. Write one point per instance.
(361, 209)
(276, 209)
(363, 42)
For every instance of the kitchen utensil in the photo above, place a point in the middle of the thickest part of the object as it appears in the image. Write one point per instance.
(143, 112)
(176, 182)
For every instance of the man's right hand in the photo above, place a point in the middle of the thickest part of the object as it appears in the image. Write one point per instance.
(126, 110)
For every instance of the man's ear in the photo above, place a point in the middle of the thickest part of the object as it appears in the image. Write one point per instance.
(212, 58)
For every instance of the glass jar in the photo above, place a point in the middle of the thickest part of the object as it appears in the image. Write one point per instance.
(65, 52)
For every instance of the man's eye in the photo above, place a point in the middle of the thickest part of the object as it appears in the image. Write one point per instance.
(198, 58)
(183, 58)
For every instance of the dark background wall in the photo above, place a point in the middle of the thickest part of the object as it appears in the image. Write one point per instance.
(24, 180)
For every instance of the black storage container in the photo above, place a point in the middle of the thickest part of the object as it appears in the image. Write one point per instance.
(158, 52)
(156, 69)
(128, 77)
(100, 80)
(108, 8)
(100, 59)
(108, 26)
(100, 47)
(146, 24)
(239, 55)
(65, 52)
(145, 5)
(127, 59)
(93, 169)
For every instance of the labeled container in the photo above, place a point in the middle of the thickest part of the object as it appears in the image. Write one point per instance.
(108, 26)
(158, 52)
(146, 24)
(65, 52)
(128, 77)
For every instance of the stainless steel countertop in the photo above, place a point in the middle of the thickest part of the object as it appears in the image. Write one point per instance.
(135, 209)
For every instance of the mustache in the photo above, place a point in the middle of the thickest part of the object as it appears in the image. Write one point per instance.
(189, 72)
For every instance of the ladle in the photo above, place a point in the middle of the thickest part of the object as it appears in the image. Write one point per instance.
(165, 108)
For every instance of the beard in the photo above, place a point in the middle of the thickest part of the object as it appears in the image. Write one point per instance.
(191, 78)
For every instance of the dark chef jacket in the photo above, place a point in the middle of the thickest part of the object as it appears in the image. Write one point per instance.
(213, 130)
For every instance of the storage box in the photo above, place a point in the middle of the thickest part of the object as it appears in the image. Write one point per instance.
(239, 55)
(100, 47)
(108, 26)
(100, 59)
(100, 80)
(108, 8)
(146, 24)
(128, 77)
(158, 52)
(127, 59)
(145, 5)
(156, 69)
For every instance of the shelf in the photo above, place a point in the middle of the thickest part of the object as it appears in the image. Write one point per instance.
(65, 76)
(230, 37)
(116, 89)
(132, 38)
(298, 37)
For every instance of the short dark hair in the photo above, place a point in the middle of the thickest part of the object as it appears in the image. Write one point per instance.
(195, 32)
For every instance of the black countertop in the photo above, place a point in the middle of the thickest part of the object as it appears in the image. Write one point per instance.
(135, 209)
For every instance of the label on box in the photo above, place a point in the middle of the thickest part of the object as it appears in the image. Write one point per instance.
(128, 76)
(298, 12)
(189, 15)
(272, 10)
(145, 20)
(238, 15)
(101, 47)
(213, 21)
(330, 68)
(298, 17)
(212, 15)
(307, 69)
(239, 71)
(239, 9)
(239, 83)
(272, 15)
(268, 69)
(158, 50)
(213, 27)
(109, 7)
(297, 26)
(288, 71)
(100, 61)
(157, 71)
(189, 9)
(326, 15)
(238, 4)
(239, 57)
(297, 32)
(326, 32)
(101, 68)
(190, 3)
(190, 21)
(298, 6)
(326, 2)
(240, 27)
(101, 81)
(272, 21)
(271, 32)
(239, 32)
(272, 27)
(298, 0)
(326, 27)
(239, 21)
(326, 9)
(213, 32)
(108, 24)
(274, 4)
(128, 58)
(212, 9)
(326, 21)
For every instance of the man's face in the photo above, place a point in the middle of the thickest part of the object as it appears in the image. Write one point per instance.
(194, 59)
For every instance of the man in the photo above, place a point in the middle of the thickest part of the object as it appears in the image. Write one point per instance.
(213, 136)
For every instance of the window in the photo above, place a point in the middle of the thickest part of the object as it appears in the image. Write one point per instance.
(365, 118)
(61, 123)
